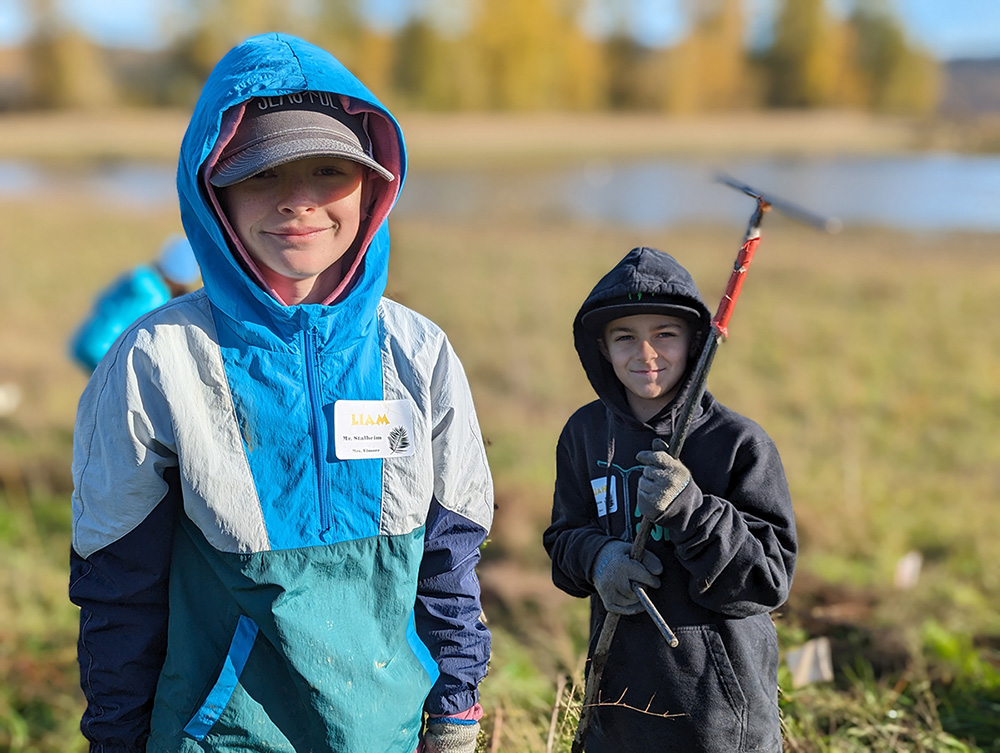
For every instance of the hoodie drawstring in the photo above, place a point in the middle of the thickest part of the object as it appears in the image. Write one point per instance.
(607, 478)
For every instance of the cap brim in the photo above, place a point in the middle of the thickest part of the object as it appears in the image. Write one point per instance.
(597, 319)
(271, 153)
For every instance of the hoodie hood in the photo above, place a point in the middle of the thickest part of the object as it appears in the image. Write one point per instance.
(642, 274)
(277, 65)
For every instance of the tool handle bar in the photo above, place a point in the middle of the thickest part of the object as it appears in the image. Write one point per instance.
(794, 211)
(654, 613)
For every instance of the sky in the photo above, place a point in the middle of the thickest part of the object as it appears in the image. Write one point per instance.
(947, 28)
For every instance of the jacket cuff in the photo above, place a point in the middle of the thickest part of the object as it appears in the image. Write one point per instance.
(116, 748)
(470, 715)
(452, 704)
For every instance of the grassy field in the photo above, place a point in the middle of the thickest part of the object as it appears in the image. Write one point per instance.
(446, 139)
(870, 357)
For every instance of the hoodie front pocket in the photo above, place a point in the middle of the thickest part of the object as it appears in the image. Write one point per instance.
(728, 682)
(694, 687)
(222, 691)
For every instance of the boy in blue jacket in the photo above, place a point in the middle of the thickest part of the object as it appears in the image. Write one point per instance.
(723, 548)
(280, 483)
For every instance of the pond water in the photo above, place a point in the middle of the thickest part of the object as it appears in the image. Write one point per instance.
(919, 192)
(926, 192)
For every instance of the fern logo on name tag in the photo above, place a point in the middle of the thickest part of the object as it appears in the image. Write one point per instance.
(372, 429)
(398, 440)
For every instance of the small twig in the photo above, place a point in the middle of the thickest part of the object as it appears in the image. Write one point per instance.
(570, 708)
(497, 726)
(560, 687)
(646, 711)
(896, 692)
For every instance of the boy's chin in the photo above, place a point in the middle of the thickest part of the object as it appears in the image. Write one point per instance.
(653, 394)
(651, 400)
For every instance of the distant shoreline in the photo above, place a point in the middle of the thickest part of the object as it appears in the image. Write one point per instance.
(446, 140)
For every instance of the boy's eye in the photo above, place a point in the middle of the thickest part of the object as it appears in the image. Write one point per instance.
(263, 174)
(330, 170)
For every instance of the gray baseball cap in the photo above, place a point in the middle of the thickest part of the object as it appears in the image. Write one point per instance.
(277, 130)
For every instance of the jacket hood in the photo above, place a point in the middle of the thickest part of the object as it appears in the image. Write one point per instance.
(275, 65)
(643, 274)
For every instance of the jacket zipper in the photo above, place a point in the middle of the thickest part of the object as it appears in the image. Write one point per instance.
(317, 430)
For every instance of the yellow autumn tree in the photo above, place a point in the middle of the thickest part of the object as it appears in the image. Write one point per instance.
(708, 69)
(802, 64)
(67, 68)
(520, 45)
(898, 77)
(375, 60)
(430, 70)
(583, 72)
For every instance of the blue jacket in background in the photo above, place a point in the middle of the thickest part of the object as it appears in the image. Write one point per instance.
(243, 583)
(133, 294)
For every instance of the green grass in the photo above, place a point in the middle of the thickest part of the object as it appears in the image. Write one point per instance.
(39, 691)
(870, 357)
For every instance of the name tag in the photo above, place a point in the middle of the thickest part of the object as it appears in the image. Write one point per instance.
(599, 485)
(372, 429)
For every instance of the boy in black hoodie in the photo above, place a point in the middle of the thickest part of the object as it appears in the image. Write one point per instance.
(723, 549)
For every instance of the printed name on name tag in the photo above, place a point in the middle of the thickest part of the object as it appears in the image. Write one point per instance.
(372, 429)
(599, 485)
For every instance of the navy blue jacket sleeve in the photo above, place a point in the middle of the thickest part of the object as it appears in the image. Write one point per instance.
(122, 594)
(448, 610)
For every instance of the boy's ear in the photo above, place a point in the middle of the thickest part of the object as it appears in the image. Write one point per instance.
(369, 194)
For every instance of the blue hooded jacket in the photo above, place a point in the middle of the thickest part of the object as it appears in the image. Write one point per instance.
(277, 508)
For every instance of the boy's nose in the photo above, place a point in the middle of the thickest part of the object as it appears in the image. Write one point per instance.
(296, 197)
(646, 351)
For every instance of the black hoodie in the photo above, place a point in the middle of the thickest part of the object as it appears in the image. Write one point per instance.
(727, 545)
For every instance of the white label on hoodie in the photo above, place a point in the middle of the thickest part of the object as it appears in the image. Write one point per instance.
(372, 429)
(599, 485)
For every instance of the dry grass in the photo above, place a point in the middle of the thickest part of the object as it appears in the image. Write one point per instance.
(86, 136)
(463, 139)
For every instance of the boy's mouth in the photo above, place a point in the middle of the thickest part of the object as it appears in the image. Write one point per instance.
(298, 235)
(298, 232)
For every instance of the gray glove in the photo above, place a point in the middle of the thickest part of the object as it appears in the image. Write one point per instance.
(663, 478)
(446, 735)
(615, 571)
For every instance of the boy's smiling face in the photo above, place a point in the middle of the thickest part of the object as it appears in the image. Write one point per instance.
(297, 221)
(649, 355)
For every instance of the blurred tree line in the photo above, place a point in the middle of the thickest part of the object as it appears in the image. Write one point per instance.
(517, 55)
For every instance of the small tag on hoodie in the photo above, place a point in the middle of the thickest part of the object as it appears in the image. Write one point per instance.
(599, 485)
(372, 429)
